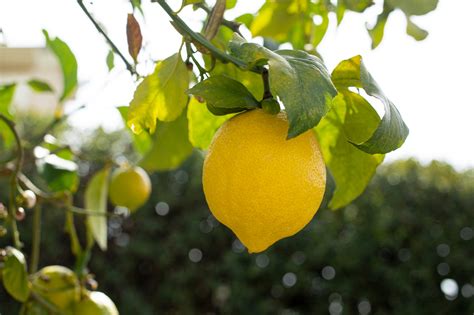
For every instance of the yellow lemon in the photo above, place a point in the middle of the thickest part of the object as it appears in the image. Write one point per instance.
(58, 285)
(259, 184)
(130, 187)
(95, 303)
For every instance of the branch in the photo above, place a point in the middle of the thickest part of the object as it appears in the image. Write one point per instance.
(36, 239)
(232, 25)
(186, 31)
(107, 38)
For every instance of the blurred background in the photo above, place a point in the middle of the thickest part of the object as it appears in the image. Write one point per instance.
(404, 247)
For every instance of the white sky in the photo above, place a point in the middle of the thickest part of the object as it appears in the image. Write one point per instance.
(427, 80)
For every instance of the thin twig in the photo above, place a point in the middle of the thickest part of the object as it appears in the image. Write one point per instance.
(186, 31)
(232, 25)
(107, 38)
(36, 239)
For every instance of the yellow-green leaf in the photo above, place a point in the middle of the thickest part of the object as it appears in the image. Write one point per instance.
(161, 95)
(202, 124)
(95, 201)
(170, 146)
(351, 119)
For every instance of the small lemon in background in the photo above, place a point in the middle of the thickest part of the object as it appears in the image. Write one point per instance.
(95, 303)
(259, 184)
(58, 285)
(129, 187)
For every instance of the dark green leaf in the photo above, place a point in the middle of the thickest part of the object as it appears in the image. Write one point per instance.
(15, 276)
(392, 131)
(415, 31)
(39, 86)
(350, 119)
(110, 60)
(224, 94)
(411, 7)
(68, 63)
(299, 79)
(95, 200)
(202, 124)
(141, 142)
(59, 174)
(161, 95)
(171, 146)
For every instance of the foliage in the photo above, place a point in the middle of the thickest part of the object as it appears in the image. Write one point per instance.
(218, 67)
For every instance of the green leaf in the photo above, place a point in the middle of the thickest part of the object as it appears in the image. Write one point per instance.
(320, 30)
(39, 86)
(15, 276)
(171, 146)
(275, 20)
(392, 131)
(299, 79)
(60, 174)
(224, 95)
(95, 200)
(411, 7)
(246, 19)
(230, 4)
(6, 97)
(340, 11)
(110, 60)
(161, 95)
(350, 119)
(415, 31)
(68, 63)
(137, 4)
(376, 33)
(202, 124)
(358, 5)
(141, 142)
(188, 2)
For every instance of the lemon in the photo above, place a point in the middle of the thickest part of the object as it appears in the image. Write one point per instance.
(95, 303)
(58, 285)
(259, 184)
(129, 187)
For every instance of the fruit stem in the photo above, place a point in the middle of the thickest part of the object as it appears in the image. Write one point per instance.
(266, 85)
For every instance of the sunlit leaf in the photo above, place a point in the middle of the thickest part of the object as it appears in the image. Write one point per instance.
(275, 20)
(134, 37)
(230, 4)
(15, 276)
(411, 7)
(202, 124)
(351, 119)
(377, 31)
(39, 86)
(299, 79)
(358, 5)
(415, 31)
(161, 95)
(392, 131)
(141, 142)
(6, 97)
(110, 60)
(224, 95)
(95, 200)
(68, 63)
(171, 146)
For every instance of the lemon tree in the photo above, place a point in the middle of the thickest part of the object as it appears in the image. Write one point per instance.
(282, 135)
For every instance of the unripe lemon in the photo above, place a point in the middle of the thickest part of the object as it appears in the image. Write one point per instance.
(259, 184)
(58, 285)
(95, 303)
(130, 187)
